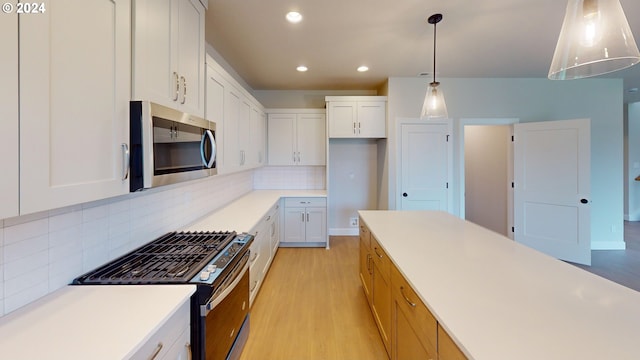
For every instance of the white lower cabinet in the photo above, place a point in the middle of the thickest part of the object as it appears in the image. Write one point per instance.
(172, 340)
(305, 222)
(262, 250)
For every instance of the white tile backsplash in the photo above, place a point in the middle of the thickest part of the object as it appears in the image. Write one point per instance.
(40, 253)
(43, 252)
(290, 177)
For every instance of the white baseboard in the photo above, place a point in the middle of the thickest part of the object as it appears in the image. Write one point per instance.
(608, 245)
(344, 232)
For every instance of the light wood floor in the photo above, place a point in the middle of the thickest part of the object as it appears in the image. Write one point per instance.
(621, 266)
(311, 306)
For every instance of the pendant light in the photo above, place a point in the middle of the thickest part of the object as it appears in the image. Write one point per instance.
(434, 106)
(595, 39)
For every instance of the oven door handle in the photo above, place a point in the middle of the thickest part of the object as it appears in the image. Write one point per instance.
(208, 135)
(237, 276)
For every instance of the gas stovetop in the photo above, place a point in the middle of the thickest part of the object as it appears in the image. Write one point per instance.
(175, 258)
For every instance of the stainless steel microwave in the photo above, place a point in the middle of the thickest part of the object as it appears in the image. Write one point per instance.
(168, 146)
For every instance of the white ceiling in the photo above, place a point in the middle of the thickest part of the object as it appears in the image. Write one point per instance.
(479, 38)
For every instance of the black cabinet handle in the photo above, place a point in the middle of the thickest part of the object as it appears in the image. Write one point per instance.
(404, 195)
(584, 201)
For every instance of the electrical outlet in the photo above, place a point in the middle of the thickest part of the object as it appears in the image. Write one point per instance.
(353, 221)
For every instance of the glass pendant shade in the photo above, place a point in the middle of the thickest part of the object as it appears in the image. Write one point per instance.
(595, 39)
(434, 106)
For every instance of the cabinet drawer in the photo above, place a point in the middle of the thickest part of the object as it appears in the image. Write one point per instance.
(447, 349)
(305, 202)
(380, 258)
(166, 336)
(365, 235)
(416, 313)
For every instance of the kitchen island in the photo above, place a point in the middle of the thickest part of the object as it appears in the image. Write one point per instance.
(498, 299)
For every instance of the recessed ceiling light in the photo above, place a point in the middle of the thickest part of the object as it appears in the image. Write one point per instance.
(302, 68)
(363, 68)
(294, 17)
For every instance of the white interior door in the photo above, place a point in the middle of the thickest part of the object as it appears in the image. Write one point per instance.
(425, 167)
(552, 188)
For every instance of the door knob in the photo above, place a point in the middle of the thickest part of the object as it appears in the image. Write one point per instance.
(404, 195)
(584, 201)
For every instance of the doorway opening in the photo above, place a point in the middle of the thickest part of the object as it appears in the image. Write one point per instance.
(486, 173)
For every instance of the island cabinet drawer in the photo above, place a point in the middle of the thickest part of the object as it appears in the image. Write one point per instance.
(416, 314)
(365, 235)
(380, 258)
(305, 202)
(447, 349)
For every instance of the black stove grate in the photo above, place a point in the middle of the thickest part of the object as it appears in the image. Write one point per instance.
(174, 258)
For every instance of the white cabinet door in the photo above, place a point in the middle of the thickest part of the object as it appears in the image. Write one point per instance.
(255, 141)
(357, 118)
(191, 54)
(244, 131)
(294, 225)
(9, 115)
(154, 76)
(281, 139)
(316, 225)
(214, 110)
(342, 117)
(75, 66)
(311, 139)
(232, 102)
(372, 119)
(168, 61)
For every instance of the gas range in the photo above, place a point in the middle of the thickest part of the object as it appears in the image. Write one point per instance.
(175, 258)
(216, 262)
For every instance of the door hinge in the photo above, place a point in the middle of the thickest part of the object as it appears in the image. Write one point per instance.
(512, 139)
(513, 229)
(447, 185)
(512, 185)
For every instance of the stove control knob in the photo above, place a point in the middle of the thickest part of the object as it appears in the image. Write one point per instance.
(204, 275)
(211, 268)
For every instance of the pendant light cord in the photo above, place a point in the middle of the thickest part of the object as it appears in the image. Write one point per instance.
(434, 52)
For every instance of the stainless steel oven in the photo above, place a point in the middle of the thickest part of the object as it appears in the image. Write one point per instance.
(169, 146)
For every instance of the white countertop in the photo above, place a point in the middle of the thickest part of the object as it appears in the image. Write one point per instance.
(244, 213)
(89, 322)
(499, 299)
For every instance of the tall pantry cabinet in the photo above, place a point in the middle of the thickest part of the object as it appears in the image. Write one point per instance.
(9, 115)
(74, 81)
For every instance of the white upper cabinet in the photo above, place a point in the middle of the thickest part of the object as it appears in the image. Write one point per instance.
(9, 115)
(296, 137)
(169, 53)
(240, 122)
(357, 116)
(74, 81)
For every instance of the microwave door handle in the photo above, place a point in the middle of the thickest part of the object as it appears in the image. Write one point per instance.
(208, 135)
(126, 164)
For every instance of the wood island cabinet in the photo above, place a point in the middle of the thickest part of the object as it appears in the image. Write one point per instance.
(414, 329)
(408, 329)
(381, 292)
(366, 270)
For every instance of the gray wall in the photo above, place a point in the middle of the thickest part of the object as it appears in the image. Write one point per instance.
(601, 100)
